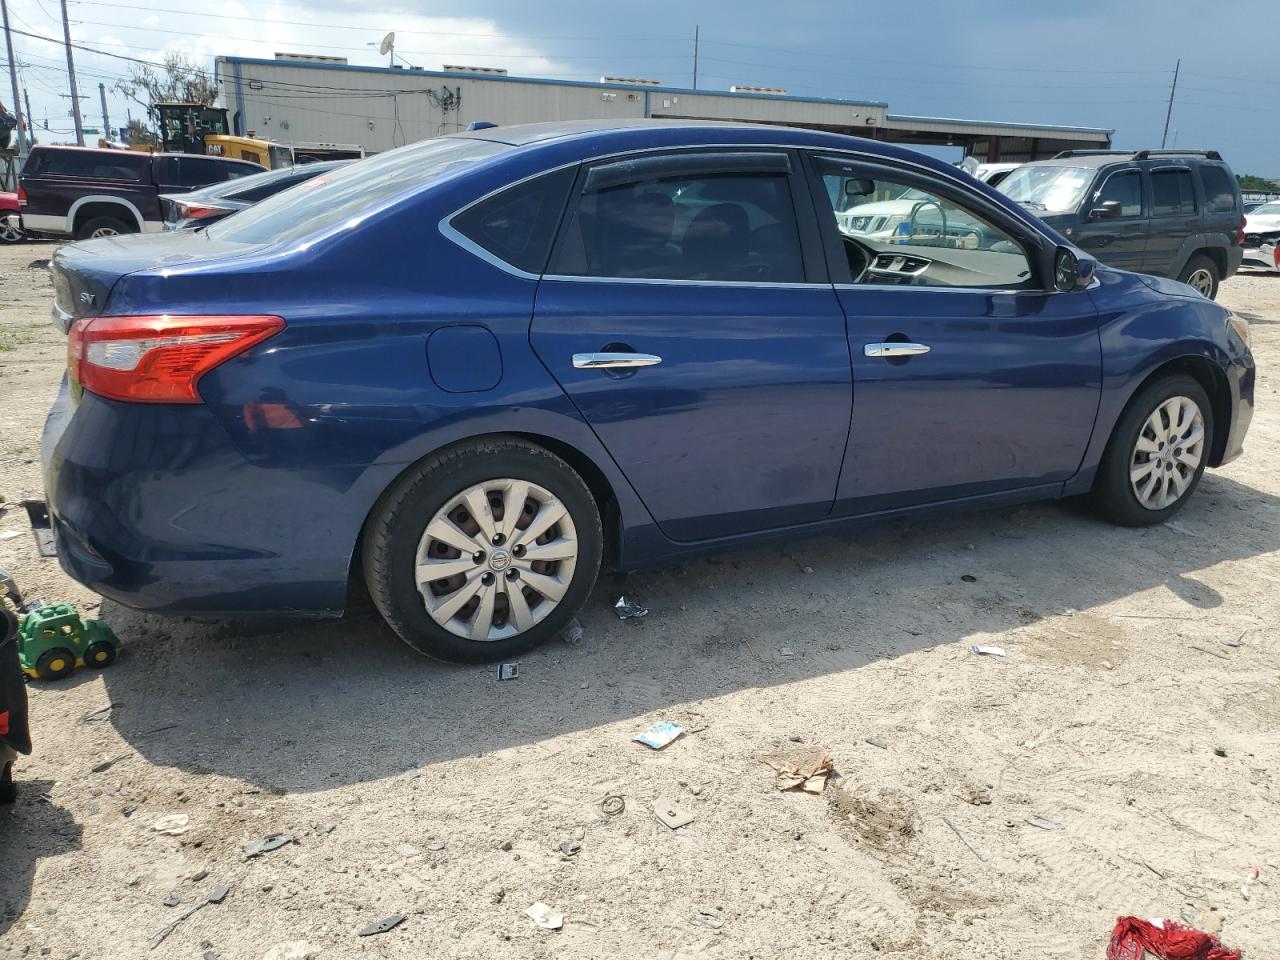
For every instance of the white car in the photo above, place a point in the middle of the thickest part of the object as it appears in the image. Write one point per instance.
(911, 213)
(993, 173)
(1262, 237)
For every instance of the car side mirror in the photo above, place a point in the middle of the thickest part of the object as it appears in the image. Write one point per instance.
(1107, 210)
(1070, 272)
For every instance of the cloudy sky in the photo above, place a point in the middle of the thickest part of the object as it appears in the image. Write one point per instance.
(1106, 63)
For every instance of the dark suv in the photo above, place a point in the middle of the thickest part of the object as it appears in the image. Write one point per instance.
(81, 192)
(1174, 213)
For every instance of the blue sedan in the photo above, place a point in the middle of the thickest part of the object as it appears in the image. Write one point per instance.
(471, 372)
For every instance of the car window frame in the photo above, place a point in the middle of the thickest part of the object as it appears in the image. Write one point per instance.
(1144, 191)
(1038, 249)
(812, 255)
(1191, 178)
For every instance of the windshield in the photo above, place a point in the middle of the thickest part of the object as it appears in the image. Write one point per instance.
(352, 191)
(1267, 210)
(1047, 189)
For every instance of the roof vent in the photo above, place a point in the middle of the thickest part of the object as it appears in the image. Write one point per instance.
(743, 88)
(496, 71)
(631, 80)
(310, 57)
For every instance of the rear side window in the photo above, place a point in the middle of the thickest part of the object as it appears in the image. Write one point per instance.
(518, 225)
(90, 164)
(354, 191)
(233, 171)
(734, 227)
(191, 171)
(1219, 189)
(1125, 188)
(1172, 193)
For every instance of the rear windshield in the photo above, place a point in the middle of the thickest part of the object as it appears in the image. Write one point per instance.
(352, 191)
(1047, 189)
(93, 164)
(259, 185)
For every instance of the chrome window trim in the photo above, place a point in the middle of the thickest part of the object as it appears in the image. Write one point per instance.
(450, 232)
(807, 285)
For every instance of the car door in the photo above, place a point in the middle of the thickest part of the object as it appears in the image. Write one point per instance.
(687, 314)
(969, 378)
(1175, 219)
(1116, 235)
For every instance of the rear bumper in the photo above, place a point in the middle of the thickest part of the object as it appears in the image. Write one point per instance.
(155, 508)
(1240, 378)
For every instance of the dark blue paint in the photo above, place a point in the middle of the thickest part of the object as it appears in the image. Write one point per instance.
(764, 419)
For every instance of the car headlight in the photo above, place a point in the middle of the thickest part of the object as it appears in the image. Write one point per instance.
(1240, 326)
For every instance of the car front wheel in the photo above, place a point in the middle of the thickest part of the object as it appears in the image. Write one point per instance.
(483, 551)
(1157, 453)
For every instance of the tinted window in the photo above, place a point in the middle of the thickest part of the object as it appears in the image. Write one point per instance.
(518, 225)
(1172, 193)
(1126, 189)
(710, 226)
(898, 234)
(1219, 189)
(94, 164)
(353, 191)
(191, 171)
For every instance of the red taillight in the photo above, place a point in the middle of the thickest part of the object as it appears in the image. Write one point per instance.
(1240, 232)
(22, 194)
(158, 359)
(198, 211)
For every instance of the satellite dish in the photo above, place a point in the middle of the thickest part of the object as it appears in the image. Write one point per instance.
(388, 43)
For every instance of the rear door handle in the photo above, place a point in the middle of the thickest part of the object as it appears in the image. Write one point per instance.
(614, 361)
(894, 349)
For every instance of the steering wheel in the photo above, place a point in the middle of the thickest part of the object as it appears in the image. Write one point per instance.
(915, 211)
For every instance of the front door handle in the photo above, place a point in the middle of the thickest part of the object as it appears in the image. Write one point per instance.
(894, 349)
(614, 361)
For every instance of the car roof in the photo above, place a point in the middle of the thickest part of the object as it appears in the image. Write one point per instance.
(1100, 159)
(108, 151)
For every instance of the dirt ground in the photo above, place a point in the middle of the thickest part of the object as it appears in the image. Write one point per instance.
(1120, 715)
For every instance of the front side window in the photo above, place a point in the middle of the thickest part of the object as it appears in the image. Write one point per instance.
(518, 224)
(1124, 188)
(895, 233)
(728, 227)
(1044, 188)
(1172, 193)
(1219, 189)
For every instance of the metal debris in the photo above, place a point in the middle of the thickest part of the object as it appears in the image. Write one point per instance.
(965, 840)
(659, 734)
(570, 848)
(272, 841)
(877, 743)
(1213, 653)
(216, 895)
(574, 634)
(671, 815)
(382, 926)
(625, 609)
(986, 651)
(1044, 823)
(508, 671)
(544, 916)
(613, 805)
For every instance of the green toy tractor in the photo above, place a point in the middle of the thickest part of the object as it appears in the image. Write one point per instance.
(53, 641)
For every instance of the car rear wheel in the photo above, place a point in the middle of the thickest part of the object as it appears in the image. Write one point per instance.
(483, 551)
(1201, 274)
(9, 232)
(102, 227)
(1157, 453)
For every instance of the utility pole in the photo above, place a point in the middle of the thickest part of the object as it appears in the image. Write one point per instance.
(13, 79)
(71, 75)
(106, 124)
(31, 125)
(696, 29)
(1168, 113)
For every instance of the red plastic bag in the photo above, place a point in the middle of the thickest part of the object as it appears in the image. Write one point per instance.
(1136, 939)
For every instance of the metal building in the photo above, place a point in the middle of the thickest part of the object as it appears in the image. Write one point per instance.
(292, 100)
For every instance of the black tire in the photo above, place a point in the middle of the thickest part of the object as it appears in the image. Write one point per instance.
(55, 664)
(1113, 494)
(10, 235)
(403, 513)
(87, 229)
(1202, 273)
(100, 655)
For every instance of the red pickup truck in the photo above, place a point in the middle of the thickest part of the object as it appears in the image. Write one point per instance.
(83, 192)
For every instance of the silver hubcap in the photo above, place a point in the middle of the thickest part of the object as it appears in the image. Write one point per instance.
(1202, 282)
(9, 234)
(1168, 453)
(104, 232)
(496, 559)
